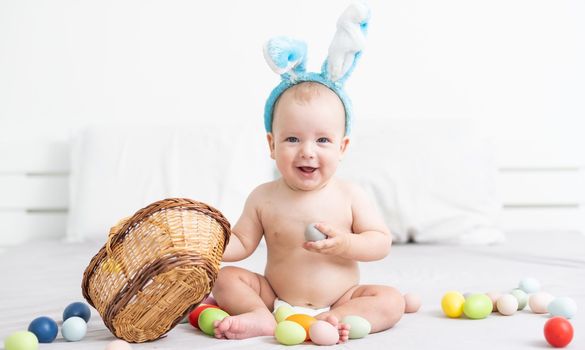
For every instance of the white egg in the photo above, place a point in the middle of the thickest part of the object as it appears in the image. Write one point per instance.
(312, 234)
(507, 304)
(563, 306)
(539, 302)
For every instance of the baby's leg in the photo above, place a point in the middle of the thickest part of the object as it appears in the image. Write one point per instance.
(249, 297)
(382, 306)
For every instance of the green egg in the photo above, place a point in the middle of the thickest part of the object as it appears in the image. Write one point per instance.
(477, 306)
(21, 341)
(208, 316)
(290, 333)
(360, 327)
(282, 312)
(521, 296)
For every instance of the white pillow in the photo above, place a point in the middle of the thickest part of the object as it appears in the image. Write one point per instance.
(433, 180)
(117, 170)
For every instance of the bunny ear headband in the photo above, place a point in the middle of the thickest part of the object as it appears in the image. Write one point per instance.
(287, 57)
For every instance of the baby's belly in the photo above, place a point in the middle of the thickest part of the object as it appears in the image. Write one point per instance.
(314, 283)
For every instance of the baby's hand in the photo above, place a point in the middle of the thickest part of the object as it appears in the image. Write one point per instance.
(337, 243)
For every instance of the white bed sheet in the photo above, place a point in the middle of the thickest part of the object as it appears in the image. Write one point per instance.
(41, 278)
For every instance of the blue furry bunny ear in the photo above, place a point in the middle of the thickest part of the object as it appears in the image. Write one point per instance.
(286, 56)
(347, 44)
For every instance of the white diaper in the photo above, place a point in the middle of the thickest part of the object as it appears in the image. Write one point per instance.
(300, 309)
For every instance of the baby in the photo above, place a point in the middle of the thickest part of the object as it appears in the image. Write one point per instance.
(308, 119)
(307, 142)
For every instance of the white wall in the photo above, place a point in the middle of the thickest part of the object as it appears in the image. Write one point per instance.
(515, 65)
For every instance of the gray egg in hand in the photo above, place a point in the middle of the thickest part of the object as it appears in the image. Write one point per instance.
(312, 234)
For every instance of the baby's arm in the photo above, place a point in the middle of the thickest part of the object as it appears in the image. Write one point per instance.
(247, 232)
(371, 239)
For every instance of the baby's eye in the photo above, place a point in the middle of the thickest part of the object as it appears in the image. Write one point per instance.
(292, 139)
(322, 140)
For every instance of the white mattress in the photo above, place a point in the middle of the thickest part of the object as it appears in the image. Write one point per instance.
(43, 277)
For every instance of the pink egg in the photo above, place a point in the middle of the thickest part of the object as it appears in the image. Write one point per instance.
(118, 345)
(411, 302)
(210, 301)
(323, 333)
(538, 302)
(494, 296)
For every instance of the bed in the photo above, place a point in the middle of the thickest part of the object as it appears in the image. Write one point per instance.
(43, 277)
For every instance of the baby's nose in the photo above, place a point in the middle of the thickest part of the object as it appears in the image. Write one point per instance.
(307, 151)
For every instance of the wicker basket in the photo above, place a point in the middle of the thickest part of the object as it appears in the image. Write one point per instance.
(155, 267)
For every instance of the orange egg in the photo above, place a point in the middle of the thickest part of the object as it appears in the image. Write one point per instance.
(304, 320)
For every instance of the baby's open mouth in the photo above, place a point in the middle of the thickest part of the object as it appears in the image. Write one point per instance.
(307, 169)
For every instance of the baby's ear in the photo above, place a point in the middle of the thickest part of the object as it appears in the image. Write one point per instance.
(270, 139)
(343, 147)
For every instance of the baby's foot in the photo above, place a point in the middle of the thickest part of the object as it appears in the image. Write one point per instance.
(248, 325)
(342, 327)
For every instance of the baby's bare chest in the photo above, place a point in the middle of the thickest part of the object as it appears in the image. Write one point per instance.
(284, 220)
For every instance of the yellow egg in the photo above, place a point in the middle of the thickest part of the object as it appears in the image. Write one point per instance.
(304, 320)
(452, 304)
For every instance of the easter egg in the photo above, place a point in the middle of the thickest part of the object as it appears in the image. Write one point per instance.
(78, 309)
(359, 326)
(323, 333)
(529, 285)
(507, 304)
(521, 296)
(118, 345)
(208, 316)
(538, 302)
(282, 312)
(411, 302)
(304, 320)
(452, 304)
(21, 341)
(558, 332)
(74, 328)
(290, 333)
(44, 328)
(312, 234)
(194, 315)
(210, 300)
(494, 296)
(562, 306)
(477, 306)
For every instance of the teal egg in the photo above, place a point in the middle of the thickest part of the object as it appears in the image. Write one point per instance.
(74, 328)
(477, 306)
(562, 306)
(21, 341)
(290, 333)
(529, 285)
(360, 327)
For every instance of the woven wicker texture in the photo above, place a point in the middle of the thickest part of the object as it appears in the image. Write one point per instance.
(155, 267)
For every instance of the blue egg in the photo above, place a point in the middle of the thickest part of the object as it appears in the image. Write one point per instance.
(562, 306)
(74, 328)
(529, 285)
(44, 328)
(78, 309)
